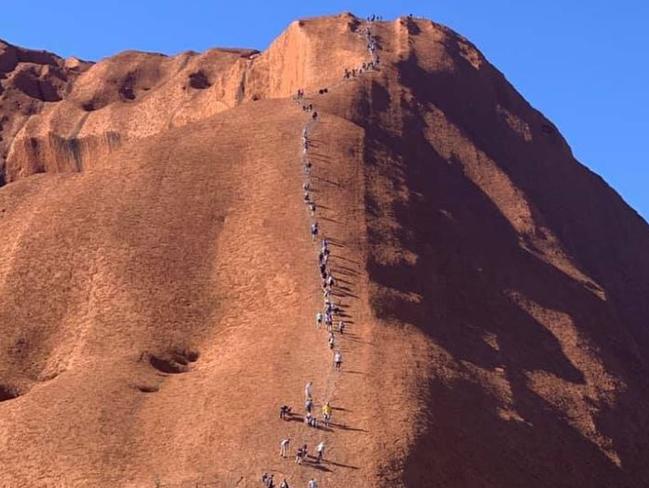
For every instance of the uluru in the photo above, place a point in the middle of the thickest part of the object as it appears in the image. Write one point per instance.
(361, 239)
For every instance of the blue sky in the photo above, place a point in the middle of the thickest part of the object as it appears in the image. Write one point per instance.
(583, 63)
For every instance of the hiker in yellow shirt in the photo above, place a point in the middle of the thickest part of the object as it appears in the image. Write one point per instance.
(326, 413)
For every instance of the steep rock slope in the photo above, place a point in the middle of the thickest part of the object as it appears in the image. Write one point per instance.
(158, 285)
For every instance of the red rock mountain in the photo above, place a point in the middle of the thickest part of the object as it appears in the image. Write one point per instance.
(158, 283)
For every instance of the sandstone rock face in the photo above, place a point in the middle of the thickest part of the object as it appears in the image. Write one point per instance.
(158, 283)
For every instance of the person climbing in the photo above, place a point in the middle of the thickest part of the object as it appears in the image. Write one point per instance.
(283, 447)
(314, 231)
(284, 484)
(315, 115)
(310, 420)
(312, 208)
(325, 245)
(306, 186)
(341, 327)
(267, 480)
(284, 412)
(298, 455)
(338, 359)
(332, 341)
(330, 280)
(308, 405)
(320, 448)
(305, 452)
(307, 199)
(318, 320)
(308, 390)
(326, 413)
(312, 484)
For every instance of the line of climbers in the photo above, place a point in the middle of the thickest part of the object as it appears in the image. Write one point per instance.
(331, 309)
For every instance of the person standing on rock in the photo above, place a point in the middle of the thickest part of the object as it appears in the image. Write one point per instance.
(267, 479)
(326, 293)
(284, 484)
(308, 405)
(320, 448)
(298, 456)
(329, 321)
(283, 447)
(338, 359)
(312, 484)
(308, 391)
(326, 413)
(325, 246)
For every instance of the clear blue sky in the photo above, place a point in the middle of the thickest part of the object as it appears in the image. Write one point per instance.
(583, 63)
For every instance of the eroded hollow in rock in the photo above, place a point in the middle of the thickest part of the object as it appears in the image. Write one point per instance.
(174, 362)
(89, 106)
(8, 392)
(199, 80)
(127, 88)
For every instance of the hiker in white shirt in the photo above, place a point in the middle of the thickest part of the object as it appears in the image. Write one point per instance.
(283, 447)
